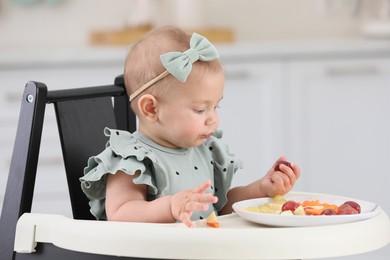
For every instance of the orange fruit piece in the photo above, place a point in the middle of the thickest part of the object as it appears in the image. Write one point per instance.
(212, 221)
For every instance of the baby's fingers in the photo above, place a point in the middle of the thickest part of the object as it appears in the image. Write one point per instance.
(185, 218)
(204, 198)
(195, 206)
(203, 187)
(199, 202)
(292, 172)
(297, 170)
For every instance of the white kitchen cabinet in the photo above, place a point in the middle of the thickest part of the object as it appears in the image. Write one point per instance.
(339, 129)
(338, 126)
(251, 115)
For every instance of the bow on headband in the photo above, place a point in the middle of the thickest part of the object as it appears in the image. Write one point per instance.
(179, 64)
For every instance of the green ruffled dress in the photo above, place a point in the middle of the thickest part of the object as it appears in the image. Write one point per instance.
(165, 171)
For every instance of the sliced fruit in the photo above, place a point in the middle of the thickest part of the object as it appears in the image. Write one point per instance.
(354, 205)
(299, 211)
(313, 211)
(346, 209)
(287, 212)
(290, 205)
(213, 224)
(329, 212)
(212, 221)
(275, 206)
(279, 198)
(254, 209)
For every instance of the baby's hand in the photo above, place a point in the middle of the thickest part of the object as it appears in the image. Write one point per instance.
(281, 179)
(185, 202)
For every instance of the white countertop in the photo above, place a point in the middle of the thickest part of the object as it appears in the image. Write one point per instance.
(12, 58)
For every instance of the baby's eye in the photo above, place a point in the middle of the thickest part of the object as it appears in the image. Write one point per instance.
(199, 111)
(217, 107)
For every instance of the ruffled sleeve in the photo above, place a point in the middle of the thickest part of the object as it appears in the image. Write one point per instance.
(123, 153)
(225, 166)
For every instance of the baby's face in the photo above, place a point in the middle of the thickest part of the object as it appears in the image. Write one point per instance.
(189, 116)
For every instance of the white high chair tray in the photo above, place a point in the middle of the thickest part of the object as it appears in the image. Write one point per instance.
(236, 238)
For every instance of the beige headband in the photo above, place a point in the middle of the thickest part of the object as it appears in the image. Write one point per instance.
(147, 85)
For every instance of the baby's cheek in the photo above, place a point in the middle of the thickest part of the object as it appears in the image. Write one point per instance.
(193, 131)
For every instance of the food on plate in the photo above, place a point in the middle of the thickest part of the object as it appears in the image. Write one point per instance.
(279, 205)
(346, 209)
(299, 211)
(290, 205)
(212, 221)
(281, 162)
(329, 212)
(272, 207)
(354, 205)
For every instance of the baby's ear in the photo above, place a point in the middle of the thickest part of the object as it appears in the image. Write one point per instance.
(147, 107)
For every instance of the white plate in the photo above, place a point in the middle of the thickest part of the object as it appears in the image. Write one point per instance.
(368, 210)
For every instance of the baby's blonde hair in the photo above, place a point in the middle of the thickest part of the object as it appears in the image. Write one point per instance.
(143, 60)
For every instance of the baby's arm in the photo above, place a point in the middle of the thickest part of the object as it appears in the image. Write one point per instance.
(126, 201)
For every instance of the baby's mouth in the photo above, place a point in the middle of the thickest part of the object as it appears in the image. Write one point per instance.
(207, 136)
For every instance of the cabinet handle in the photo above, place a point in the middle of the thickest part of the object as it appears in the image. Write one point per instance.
(353, 70)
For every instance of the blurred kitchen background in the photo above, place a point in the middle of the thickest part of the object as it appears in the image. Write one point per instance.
(64, 24)
(314, 74)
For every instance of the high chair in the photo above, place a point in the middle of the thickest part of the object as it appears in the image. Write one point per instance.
(81, 116)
